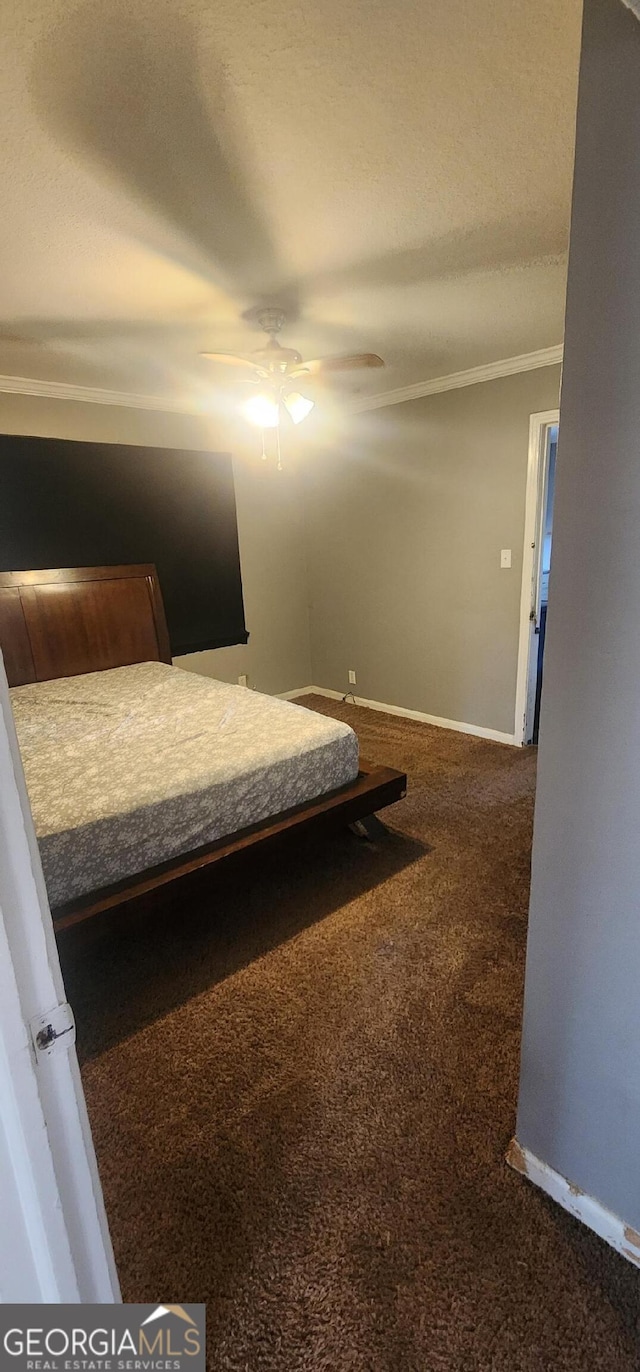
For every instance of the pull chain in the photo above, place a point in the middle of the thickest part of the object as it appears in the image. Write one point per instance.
(264, 453)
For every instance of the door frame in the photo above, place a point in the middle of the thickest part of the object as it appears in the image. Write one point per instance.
(54, 1242)
(537, 472)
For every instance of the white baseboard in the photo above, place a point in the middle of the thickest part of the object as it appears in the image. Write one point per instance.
(591, 1212)
(299, 691)
(476, 729)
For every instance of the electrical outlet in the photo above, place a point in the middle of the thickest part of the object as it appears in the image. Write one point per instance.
(243, 680)
(352, 678)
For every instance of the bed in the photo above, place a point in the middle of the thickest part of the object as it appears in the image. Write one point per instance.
(139, 772)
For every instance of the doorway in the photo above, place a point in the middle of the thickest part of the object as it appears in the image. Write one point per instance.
(536, 566)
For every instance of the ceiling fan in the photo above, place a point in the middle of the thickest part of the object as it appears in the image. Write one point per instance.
(277, 371)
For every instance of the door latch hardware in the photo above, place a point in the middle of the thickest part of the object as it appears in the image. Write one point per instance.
(54, 1032)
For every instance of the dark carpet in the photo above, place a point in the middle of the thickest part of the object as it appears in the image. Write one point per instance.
(302, 1078)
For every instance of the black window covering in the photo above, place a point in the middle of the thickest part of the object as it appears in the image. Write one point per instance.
(68, 504)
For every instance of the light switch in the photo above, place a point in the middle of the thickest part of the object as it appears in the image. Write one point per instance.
(505, 557)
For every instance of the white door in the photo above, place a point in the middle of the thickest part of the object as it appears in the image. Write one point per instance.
(54, 1237)
(535, 614)
(542, 432)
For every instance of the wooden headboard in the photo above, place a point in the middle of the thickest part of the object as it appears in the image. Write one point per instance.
(71, 620)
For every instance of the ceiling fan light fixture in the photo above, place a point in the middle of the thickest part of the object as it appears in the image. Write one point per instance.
(298, 406)
(273, 369)
(262, 410)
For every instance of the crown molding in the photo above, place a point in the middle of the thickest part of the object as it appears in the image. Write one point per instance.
(94, 395)
(508, 366)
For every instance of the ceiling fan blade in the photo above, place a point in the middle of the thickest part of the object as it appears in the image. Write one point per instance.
(229, 359)
(318, 366)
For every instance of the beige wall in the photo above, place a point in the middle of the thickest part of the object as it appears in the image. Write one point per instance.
(404, 529)
(270, 529)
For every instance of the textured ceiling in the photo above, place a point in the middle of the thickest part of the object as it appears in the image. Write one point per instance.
(398, 174)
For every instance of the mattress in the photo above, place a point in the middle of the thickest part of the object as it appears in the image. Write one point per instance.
(128, 767)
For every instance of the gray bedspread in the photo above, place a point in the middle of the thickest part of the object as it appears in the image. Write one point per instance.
(128, 767)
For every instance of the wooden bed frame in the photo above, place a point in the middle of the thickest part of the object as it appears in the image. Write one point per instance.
(67, 621)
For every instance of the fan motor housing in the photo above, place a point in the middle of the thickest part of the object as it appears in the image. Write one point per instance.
(272, 319)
